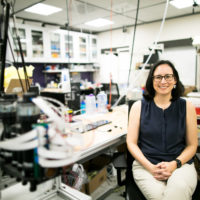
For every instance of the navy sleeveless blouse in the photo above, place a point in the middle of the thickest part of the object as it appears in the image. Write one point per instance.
(162, 132)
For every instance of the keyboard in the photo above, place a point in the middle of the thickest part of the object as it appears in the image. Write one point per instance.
(94, 125)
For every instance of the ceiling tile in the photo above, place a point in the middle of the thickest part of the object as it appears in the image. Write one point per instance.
(77, 12)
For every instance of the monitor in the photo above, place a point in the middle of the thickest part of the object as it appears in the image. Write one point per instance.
(154, 58)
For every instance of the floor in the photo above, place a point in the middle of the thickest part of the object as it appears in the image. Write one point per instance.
(109, 190)
(117, 194)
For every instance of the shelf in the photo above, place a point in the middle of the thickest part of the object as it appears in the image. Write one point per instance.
(55, 50)
(83, 70)
(51, 71)
(71, 70)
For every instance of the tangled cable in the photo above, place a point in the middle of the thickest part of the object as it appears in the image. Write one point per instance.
(54, 146)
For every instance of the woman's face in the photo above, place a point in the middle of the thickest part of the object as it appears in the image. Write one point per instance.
(163, 79)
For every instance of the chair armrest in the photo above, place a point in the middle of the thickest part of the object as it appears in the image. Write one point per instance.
(119, 162)
(198, 156)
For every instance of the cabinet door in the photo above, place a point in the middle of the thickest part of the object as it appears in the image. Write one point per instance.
(83, 47)
(93, 48)
(37, 44)
(21, 32)
(55, 45)
(69, 47)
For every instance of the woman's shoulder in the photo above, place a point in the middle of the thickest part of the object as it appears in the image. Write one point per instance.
(137, 104)
(181, 101)
(135, 109)
(189, 104)
(186, 103)
(141, 103)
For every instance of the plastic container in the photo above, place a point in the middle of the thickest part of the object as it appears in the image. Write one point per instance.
(65, 81)
(90, 104)
(197, 109)
(70, 115)
(102, 102)
(134, 94)
(82, 106)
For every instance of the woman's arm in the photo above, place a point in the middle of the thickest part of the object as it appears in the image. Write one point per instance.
(132, 137)
(191, 140)
(191, 134)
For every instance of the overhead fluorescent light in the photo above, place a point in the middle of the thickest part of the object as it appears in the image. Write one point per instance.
(182, 4)
(99, 22)
(43, 9)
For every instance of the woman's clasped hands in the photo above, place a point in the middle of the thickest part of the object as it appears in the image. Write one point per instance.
(163, 170)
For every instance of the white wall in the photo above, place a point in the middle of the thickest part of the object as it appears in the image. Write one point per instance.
(179, 28)
(184, 58)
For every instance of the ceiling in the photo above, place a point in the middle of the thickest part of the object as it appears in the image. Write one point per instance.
(76, 12)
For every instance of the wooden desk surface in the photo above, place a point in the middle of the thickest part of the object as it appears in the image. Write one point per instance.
(104, 136)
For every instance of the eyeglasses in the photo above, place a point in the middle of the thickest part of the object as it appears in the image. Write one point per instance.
(167, 77)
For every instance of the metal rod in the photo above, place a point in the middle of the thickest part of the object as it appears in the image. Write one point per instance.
(4, 47)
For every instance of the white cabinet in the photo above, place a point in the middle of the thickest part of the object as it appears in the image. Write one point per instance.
(32, 41)
(52, 45)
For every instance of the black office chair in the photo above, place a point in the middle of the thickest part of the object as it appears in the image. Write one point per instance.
(124, 161)
(132, 192)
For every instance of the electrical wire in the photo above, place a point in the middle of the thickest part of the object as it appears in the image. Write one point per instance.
(22, 57)
(62, 107)
(14, 41)
(55, 147)
(156, 40)
(49, 110)
(58, 163)
(43, 152)
(20, 80)
(21, 142)
(22, 146)
(133, 43)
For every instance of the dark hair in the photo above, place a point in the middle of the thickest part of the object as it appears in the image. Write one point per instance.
(149, 92)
